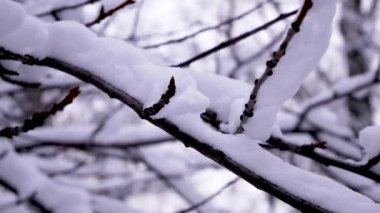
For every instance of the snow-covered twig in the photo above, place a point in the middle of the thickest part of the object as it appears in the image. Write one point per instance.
(356, 84)
(272, 63)
(310, 152)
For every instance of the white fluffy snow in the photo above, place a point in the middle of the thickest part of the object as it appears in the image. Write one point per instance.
(227, 97)
(115, 61)
(29, 37)
(11, 17)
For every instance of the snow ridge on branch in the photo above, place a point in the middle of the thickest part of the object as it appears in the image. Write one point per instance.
(296, 57)
(272, 63)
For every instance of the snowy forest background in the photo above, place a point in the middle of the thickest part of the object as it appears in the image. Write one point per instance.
(70, 149)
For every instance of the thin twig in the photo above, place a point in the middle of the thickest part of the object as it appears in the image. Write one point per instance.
(103, 15)
(38, 119)
(196, 33)
(5, 73)
(234, 40)
(209, 198)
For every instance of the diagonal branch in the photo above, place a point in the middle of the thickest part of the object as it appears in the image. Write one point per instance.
(103, 15)
(38, 119)
(234, 40)
(209, 198)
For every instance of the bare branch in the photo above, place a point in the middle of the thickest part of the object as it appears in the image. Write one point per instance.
(192, 35)
(103, 15)
(234, 40)
(38, 119)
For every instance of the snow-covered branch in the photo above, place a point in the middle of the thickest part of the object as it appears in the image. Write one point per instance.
(125, 73)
